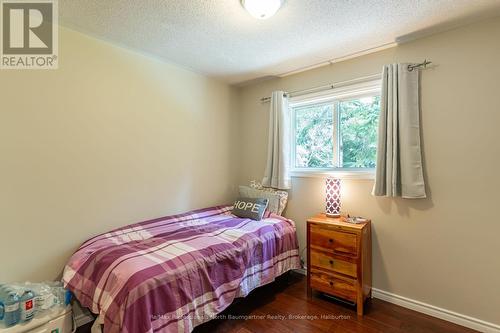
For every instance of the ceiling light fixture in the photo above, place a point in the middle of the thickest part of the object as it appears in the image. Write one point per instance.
(261, 9)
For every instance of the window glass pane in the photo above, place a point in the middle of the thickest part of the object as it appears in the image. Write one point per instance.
(314, 136)
(358, 131)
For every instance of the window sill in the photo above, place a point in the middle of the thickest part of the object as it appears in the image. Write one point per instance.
(361, 175)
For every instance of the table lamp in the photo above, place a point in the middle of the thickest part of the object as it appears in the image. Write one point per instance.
(332, 197)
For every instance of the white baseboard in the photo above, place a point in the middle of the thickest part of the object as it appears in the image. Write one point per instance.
(431, 310)
(434, 311)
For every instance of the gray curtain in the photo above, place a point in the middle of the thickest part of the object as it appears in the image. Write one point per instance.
(399, 169)
(277, 174)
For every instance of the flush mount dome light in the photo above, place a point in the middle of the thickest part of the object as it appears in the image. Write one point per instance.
(261, 9)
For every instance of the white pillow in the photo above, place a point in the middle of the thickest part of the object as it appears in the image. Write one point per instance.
(277, 199)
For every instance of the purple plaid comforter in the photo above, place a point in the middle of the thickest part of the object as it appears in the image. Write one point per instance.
(174, 273)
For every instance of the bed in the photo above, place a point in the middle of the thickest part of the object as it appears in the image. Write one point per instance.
(174, 273)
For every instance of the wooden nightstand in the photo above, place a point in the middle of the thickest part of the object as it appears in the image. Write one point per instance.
(339, 259)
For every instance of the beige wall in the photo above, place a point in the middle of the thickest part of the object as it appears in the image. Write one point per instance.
(442, 250)
(110, 138)
(113, 137)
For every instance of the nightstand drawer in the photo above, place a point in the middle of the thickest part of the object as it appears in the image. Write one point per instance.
(344, 288)
(325, 261)
(333, 241)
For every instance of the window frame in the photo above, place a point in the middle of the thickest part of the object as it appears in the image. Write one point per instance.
(335, 95)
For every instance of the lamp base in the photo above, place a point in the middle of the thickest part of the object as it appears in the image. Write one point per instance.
(332, 215)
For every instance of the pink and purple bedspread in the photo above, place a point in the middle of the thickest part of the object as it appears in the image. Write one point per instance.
(174, 273)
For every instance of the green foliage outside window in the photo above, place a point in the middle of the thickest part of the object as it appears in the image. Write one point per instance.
(314, 134)
(314, 140)
(358, 132)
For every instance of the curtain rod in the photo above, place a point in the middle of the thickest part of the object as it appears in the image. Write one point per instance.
(330, 86)
(422, 65)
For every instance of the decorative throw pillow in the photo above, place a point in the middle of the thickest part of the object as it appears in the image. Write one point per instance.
(274, 200)
(283, 195)
(252, 208)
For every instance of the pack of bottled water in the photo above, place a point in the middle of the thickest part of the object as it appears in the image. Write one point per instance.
(20, 302)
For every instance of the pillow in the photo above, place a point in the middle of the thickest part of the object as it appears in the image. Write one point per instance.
(282, 198)
(252, 208)
(277, 199)
(273, 199)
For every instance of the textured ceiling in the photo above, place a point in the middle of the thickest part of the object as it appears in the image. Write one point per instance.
(218, 38)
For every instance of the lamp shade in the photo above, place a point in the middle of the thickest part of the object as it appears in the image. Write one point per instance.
(332, 197)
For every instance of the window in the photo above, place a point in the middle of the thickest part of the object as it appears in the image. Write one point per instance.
(336, 131)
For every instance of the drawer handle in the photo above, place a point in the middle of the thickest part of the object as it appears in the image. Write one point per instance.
(331, 262)
(331, 283)
(330, 240)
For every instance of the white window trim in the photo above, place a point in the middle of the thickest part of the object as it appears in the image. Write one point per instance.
(367, 87)
(368, 174)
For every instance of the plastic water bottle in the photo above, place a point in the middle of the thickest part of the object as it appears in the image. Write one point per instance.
(62, 295)
(44, 298)
(27, 305)
(9, 307)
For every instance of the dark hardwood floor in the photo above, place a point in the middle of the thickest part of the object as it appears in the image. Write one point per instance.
(287, 296)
